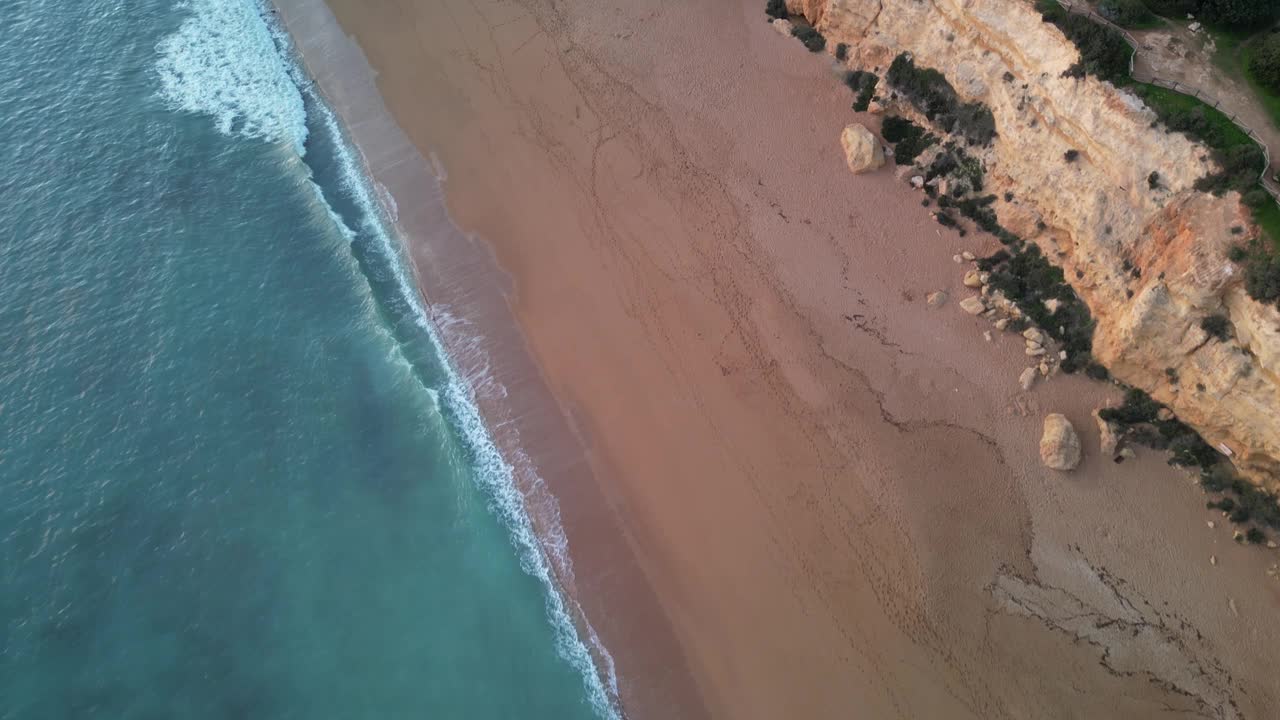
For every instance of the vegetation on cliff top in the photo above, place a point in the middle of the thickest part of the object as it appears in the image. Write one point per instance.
(1103, 50)
(1128, 13)
(1239, 158)
(1265, 62)
(1233, 13)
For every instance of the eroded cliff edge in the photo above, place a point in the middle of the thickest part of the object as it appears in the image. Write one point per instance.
(1151, 263)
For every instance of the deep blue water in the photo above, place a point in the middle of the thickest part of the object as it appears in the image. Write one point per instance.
(237, 479)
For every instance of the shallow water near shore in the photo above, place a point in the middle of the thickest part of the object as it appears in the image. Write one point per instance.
(239, 480)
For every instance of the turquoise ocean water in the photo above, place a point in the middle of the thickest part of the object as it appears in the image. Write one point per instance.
(237, 477)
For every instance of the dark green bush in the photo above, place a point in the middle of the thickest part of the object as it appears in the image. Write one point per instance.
(863, 84)
(1139, 420)
(988, 263)
(1097, 371)
(1138, 408)
(909, 139)
(931, 94)
(1262, 276)
(812, 39)
(1255, 198)
(1188, 448)
(1071, 155)
(1104, 53)
(776, 9)
(842, 51)
(1254, 536)
(1236, 13)
(1028, 279)
(1241, 166)
(1218, 326)
(1126, 13)
(1153, 180)
(1265, 63)
(1237, 253)
(896, 129)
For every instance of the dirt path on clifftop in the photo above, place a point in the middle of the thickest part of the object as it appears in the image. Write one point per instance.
(1175, 54)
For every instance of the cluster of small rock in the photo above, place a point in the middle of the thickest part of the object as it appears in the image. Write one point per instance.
(993, 305)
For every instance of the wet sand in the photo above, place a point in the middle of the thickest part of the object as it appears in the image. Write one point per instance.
(789, 488)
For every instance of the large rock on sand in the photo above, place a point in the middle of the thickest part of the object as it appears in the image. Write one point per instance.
(1059, 446)
(861, 149)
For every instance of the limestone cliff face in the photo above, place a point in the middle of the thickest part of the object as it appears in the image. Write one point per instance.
(1150, 263)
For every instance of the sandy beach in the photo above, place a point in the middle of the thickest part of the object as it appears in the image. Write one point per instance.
(788, 487)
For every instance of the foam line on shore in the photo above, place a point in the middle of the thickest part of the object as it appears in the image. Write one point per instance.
(216, 64)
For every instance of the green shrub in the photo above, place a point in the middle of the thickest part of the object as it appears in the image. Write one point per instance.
(863, 84)
(1138, 408)
(1071, 155)
(1104, 53)
(1254, 536)
(1262, 276)
(1126, 13)
(812, 39)
(776, 9)
(909, 139)
(931, 94)
(1265, 63)
(1236, 13)
(1188, 448)
(1218, 326)
(842, 51)
(1097, 371)
(1237, 253)
(1255, 198)
(1139, 420)
(1153, 180)
(1028, 279)
(1176, 9)
(1241, 165)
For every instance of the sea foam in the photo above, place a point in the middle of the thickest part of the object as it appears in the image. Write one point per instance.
(232, 62)
(223, 62)
(494, 473)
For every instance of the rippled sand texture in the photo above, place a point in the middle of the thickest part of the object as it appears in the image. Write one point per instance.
(806, 494)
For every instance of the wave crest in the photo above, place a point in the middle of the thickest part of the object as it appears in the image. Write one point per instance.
(223, 61)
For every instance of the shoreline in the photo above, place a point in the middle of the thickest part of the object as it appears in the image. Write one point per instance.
(824, 489)
(468, 336)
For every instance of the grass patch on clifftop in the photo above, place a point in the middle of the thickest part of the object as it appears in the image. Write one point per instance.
(1194, 117)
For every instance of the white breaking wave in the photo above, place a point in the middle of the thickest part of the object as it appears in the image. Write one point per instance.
(495, 474)
(223, 62)
(230, 61)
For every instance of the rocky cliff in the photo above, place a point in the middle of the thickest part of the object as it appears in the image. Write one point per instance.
(1150, 262)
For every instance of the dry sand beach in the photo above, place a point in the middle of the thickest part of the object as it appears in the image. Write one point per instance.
(789, 488)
